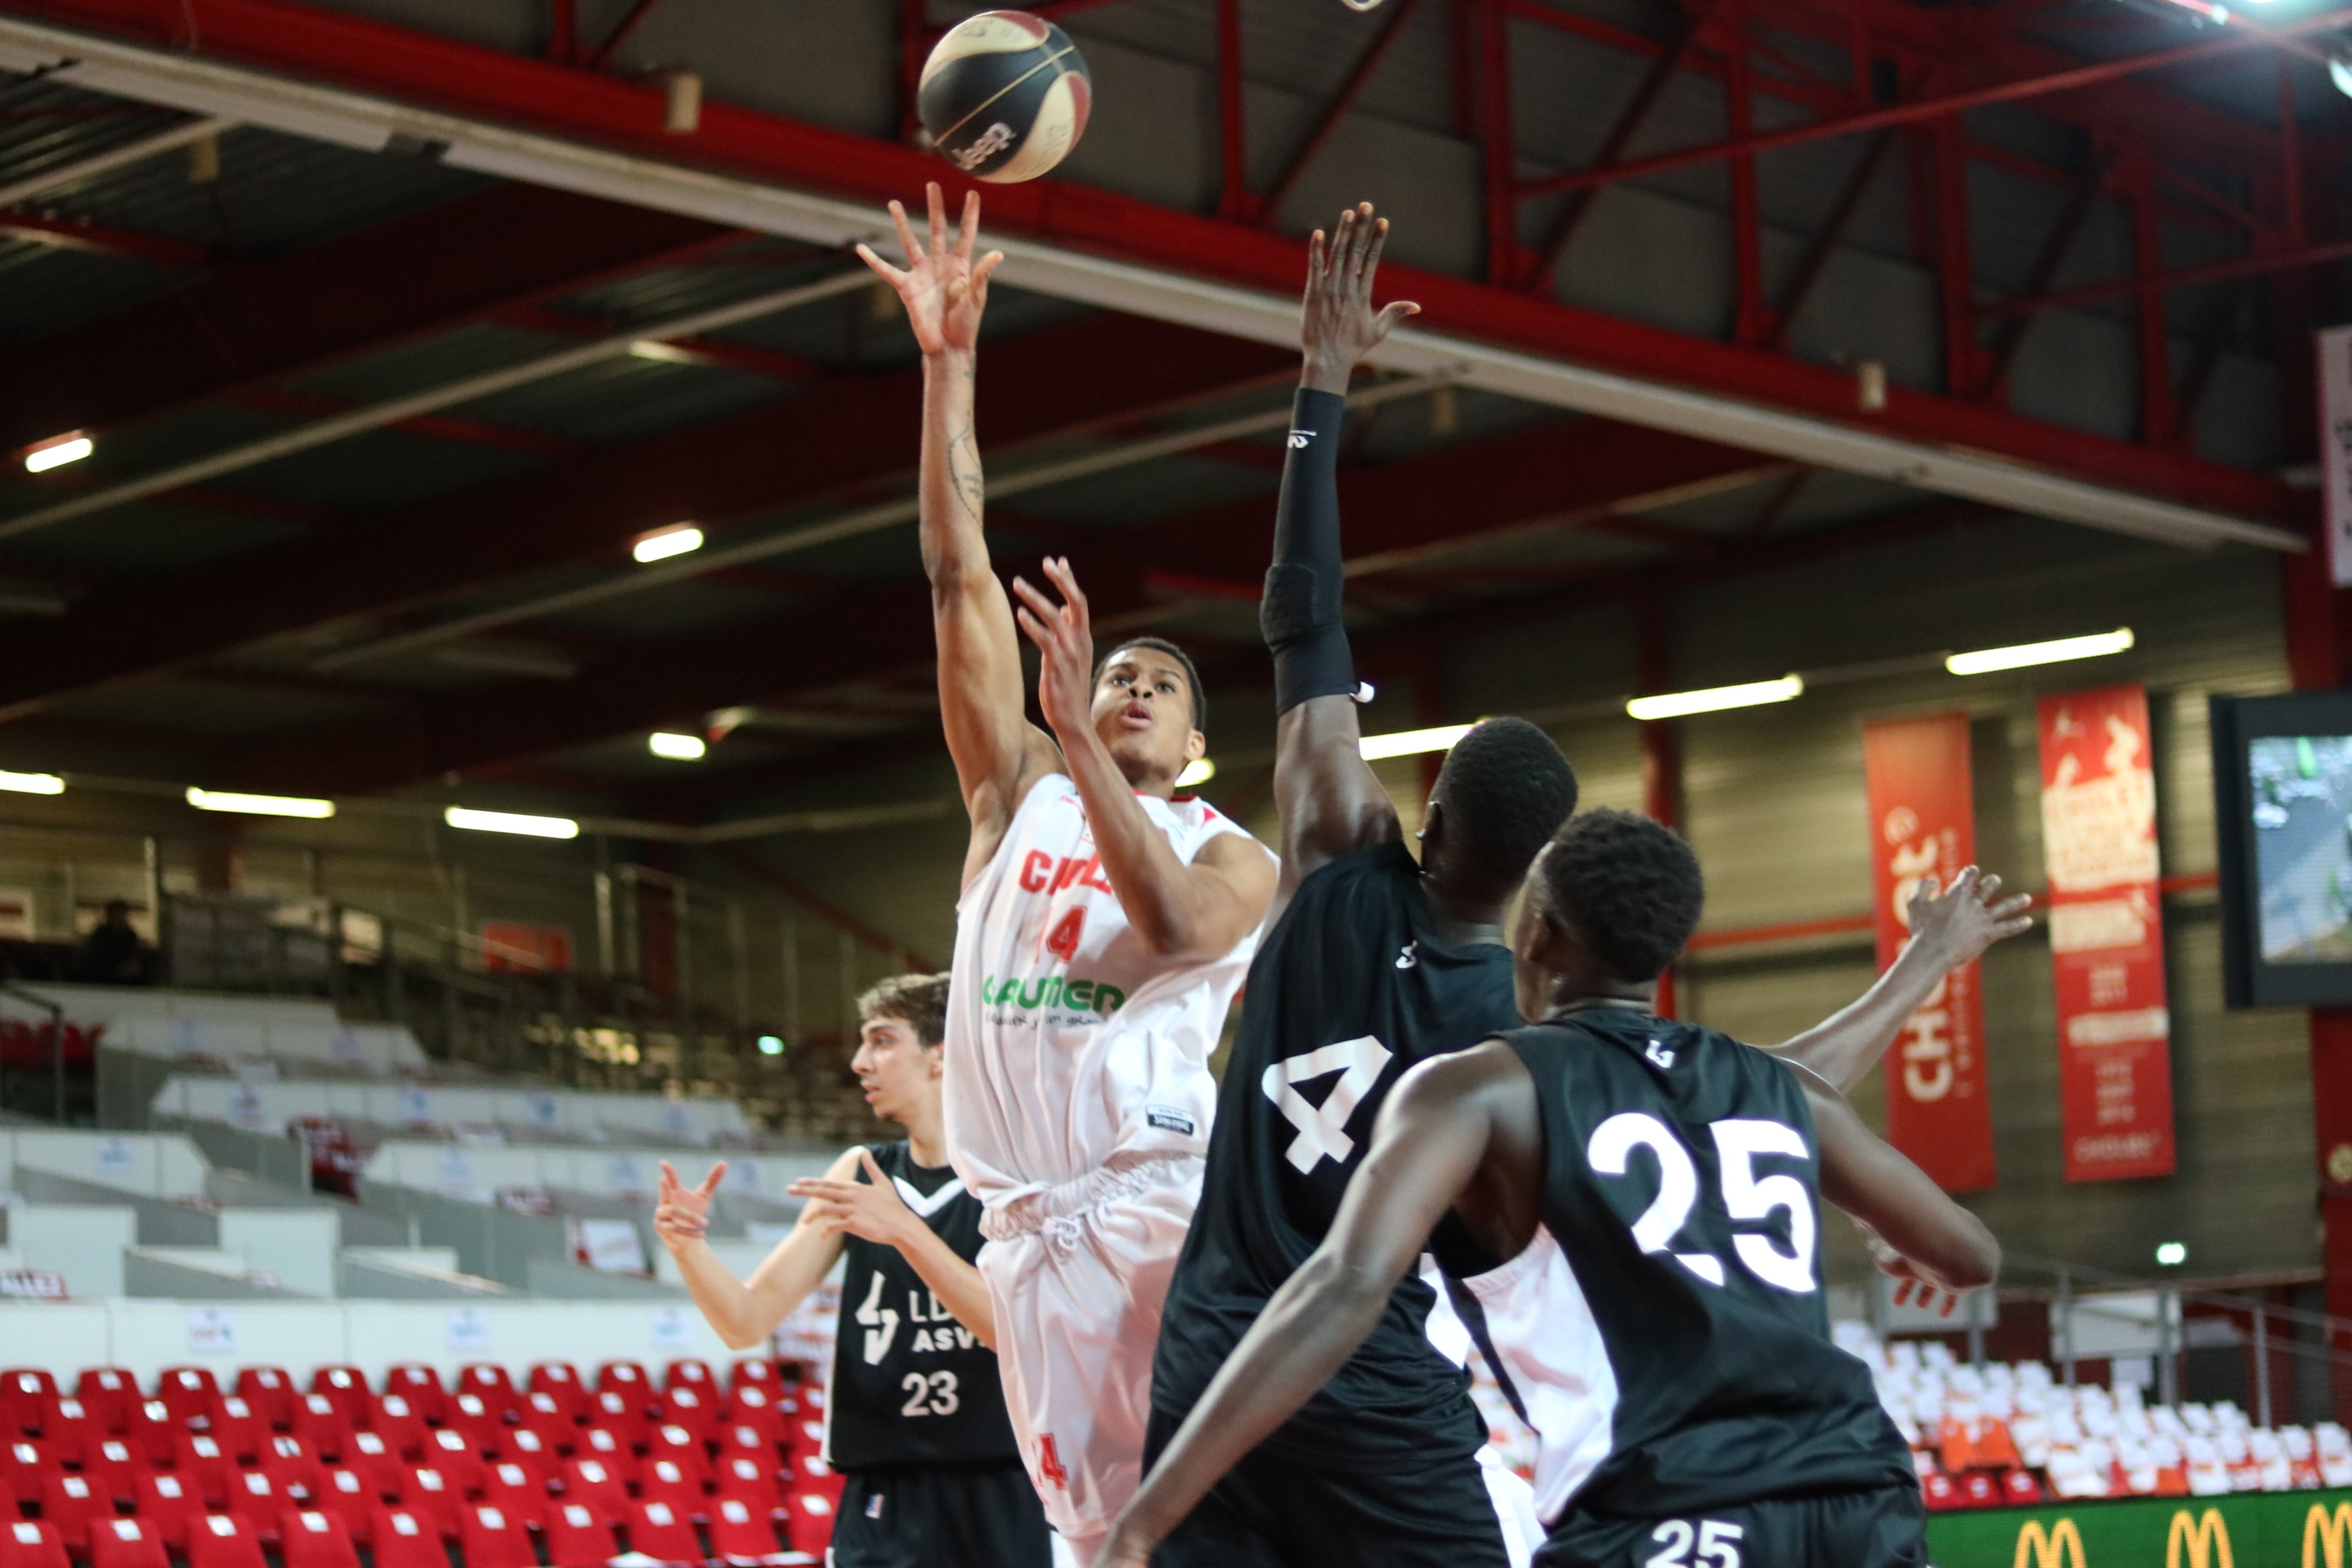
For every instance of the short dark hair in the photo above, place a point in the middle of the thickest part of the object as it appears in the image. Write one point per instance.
(1505, 790)
(1198, 693)
(919, 1001)
(1630, 886)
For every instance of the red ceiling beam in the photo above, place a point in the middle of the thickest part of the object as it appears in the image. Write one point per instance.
(74, 234)
(2165, 282)
(843, 439)
(261, 321)
(2044, 85)
(1264, 209)
(601, 110)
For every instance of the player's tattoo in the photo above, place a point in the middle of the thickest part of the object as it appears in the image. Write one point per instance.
(963, 464)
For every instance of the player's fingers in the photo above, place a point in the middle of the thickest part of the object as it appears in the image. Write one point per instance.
(887, 273)
(913, 251)
(968, 236)
(982, 269)
(2015, 904)
(873, 1170)
(1923, 890)
(1967, 879)
(1989, 887)
(1395, 311)
(1034, 627)
(937, 202)
(1950, 1301)
(1067, 581)
(1372, 254)
(711, 1182)
(1029, 595)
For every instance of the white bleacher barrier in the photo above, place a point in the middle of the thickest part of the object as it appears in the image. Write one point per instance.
(158, 1023)
(148, 1336)
(297, 1246)
(467, 1171)
(157, 1166)
(268, 1106)
(82, 1242)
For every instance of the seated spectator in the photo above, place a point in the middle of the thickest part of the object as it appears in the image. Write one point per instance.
(111, 955)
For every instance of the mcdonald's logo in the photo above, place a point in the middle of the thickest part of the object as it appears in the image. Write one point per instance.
(2328, 1536)
(2207, 1539)
(2060, 1546)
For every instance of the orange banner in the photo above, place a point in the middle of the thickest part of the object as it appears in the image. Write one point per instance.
(1923, 824)
(2106, 934)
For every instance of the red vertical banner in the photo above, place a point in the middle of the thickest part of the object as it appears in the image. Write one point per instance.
(1923, 824)
(2106, 934)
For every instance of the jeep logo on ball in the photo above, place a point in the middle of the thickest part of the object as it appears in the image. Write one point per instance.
(990, 143)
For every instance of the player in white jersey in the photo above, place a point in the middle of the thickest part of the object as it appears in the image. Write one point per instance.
(1104, 927)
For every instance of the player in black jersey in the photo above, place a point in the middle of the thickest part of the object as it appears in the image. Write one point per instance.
(1373, 963)
(915, 1413)
(1680, 1172)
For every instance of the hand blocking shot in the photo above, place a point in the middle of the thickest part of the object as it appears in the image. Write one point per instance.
(915, 1414)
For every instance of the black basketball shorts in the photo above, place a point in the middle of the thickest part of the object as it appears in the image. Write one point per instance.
(940, 1516)
(1274, 1512)
(1885, 1527)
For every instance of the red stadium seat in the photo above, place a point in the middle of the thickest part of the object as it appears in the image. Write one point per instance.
(25, 1463)
(521, 1495)
(293, 1468)
(754, 1405)
(242, 1435)
(109, 1393)
(545, 1414)
(168, 1503)
(577, 1537)
(750, 1370)
(420, 1386)
(490, 1384)
(449, 1453)
(323, 1424)
(348, 1495)
(152, 1431)
(534, 1453)
(611, 1451)
(313, 1538)
(394, 1420)
(373, 1458)
(341, 1383)
(29, 1544)
(23, 1390)
(71, 1503)
(811, 1474)
(223, 1541)
(199, 1461)
(482, 1427)
(404, 1539)
(427, 1492)
(126, 1543)
(189, 1393)
(740, 1534)
(560, 1381)
(68, 1430)
(114, 1469)
(695, 1374)
(620, 1414)
(750, 1443)
(591, 1482)
(683, 1448)
(659, 1532)
(747, 1479)
(489, 1537)
(662, 1481)
(811, 1521)
(256, 1500)
(690, 1407)
(269, 1392)
(625, 1377)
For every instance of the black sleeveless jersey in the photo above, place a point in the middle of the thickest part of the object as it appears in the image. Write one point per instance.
(911, 1385)
(1347, 991)
(1681, 1183)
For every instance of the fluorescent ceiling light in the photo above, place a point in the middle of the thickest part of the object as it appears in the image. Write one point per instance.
(57, 451)
(2339, 71)
(771, 1045)
(512, 821)
(655, 349)
(660, 546)
(2171, 1254)
(32, 783)
(1675, 704)
(258, 805)
(1985, 660)
(1198, 772)
(1411, 742)
(677, 748)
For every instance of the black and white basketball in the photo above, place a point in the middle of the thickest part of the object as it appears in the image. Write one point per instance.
(1005, 96)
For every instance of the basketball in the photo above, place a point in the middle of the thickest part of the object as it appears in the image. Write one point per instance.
(1005, 96)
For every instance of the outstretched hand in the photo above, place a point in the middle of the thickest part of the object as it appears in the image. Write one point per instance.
(1065, 646)
(682, 1214)
(943, 289)
(871, 1210)
(1962, 921)
(1339, 326)
(1913, 1285)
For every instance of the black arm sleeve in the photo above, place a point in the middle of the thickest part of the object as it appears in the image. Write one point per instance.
(1299, 614)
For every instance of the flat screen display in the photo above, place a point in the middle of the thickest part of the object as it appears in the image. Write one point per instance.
(2282, 810)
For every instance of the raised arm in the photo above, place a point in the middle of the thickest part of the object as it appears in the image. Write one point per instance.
(1428, 1143)
(1181, 911)
(1949, 928)
(873, 1211)
(745, 1312)
(1869, 1179)
(1330, 803)
(998, 752)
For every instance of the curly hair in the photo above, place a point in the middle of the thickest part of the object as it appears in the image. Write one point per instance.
(1630, 887)
(919, 1001)
(1193, 689)
(1505, 790)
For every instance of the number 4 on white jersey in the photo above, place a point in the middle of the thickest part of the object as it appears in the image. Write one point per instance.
(1322, 1128)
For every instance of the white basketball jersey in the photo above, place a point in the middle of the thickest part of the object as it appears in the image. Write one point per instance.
(1070, 1046)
